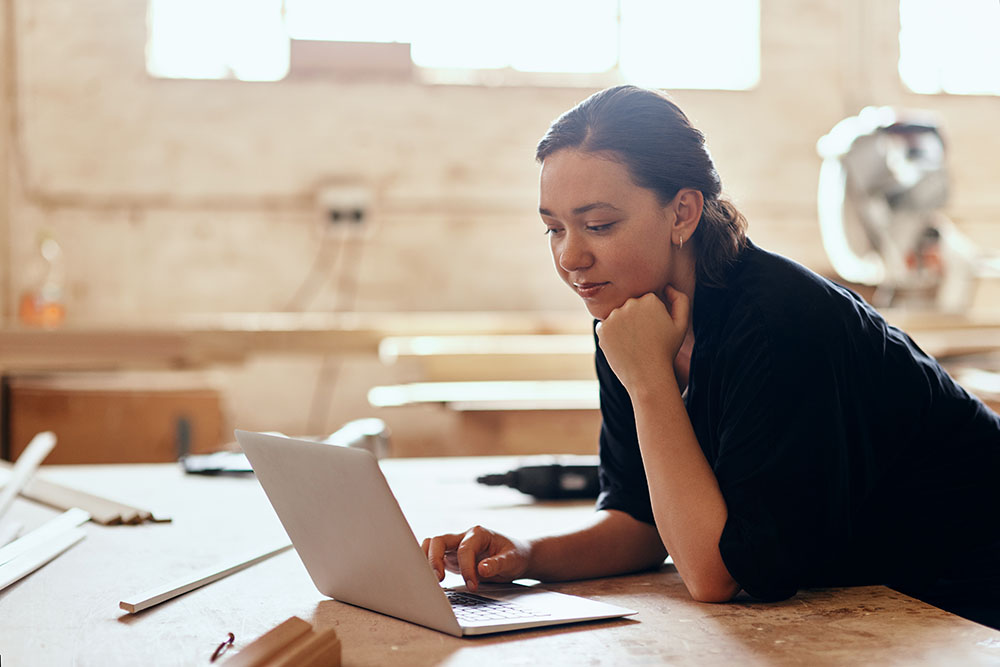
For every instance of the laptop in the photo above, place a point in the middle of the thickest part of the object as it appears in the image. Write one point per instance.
(354, 541)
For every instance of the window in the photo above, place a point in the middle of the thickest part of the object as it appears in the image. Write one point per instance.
(950, 47)
(466, 40)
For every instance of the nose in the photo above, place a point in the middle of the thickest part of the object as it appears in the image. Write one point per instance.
(573, 253)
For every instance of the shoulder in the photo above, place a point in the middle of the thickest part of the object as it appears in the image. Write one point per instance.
(785, 321)
(789, 302)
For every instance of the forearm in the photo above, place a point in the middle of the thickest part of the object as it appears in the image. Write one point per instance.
(612, 543)
(688, 506)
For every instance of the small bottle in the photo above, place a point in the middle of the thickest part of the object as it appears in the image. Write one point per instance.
(42, 305)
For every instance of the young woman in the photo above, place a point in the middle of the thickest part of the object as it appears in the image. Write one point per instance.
(761, 424)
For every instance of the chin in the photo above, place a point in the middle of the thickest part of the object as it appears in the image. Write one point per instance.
(598, 312)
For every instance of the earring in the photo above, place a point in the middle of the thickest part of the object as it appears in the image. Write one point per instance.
(680, 245)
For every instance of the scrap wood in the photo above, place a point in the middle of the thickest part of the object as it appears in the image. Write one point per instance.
(102, 510)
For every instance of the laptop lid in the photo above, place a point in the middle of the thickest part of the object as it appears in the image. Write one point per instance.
(357, 546)
(347, 527)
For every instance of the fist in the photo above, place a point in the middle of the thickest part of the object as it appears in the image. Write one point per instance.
(641, 337)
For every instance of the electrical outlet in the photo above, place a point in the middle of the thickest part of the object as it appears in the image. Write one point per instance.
(343, 208)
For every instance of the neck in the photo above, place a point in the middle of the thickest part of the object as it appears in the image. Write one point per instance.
(684, 279)
(683, 275)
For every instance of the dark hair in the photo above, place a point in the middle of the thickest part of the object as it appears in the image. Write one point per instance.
(663, 152)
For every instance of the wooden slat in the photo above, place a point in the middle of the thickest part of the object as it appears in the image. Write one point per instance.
(164, 592)
(270, 644)
(101, 510)
(47, 531)
(495, 357)
(37, 556)
(27, 463)
(488, 395)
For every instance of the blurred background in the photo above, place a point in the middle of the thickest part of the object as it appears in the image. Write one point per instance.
(215, 214)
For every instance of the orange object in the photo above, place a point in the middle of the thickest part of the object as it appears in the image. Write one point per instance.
(42, 305)
(37, 311)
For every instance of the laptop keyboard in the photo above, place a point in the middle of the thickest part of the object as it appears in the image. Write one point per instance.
(472, 608)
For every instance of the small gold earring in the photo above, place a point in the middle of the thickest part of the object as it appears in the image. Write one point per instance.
(680, 246)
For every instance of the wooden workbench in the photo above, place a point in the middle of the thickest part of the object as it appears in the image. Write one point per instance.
(67, 612)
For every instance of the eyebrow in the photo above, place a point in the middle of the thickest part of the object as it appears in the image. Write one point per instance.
(580, 210)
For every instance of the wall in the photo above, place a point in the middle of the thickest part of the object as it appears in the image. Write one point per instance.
(6, 100)
(174, 197)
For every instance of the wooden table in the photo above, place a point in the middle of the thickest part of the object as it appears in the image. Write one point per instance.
(67, 612)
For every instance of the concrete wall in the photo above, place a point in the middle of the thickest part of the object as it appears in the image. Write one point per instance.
(174, 197)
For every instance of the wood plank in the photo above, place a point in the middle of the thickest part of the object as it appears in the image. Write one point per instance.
(164, 592)
(489, 395)
(271, 643)
(494, 357)
(27, 464)
(319, 649)
(102, 510)
(32, 559)
(47, 531)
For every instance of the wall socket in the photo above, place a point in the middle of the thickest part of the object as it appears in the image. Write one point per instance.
(343, 208)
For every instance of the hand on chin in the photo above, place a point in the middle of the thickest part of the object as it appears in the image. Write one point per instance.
(641, 337)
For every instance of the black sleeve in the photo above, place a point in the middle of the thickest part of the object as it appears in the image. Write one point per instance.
(622, 476)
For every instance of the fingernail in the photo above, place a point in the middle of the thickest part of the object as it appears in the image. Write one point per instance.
(471, 585)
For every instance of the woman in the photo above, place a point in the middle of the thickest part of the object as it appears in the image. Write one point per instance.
(762, 425)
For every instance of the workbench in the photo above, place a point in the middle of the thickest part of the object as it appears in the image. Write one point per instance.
(67, 612)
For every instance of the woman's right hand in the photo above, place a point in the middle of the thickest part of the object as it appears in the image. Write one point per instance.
(478, 554)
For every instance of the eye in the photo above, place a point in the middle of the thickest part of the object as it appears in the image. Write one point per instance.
(551, 230)
(603, 227)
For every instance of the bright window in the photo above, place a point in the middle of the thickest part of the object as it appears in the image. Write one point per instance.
(950, 47)
(665, 43)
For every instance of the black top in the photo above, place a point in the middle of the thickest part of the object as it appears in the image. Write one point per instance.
(845, 454)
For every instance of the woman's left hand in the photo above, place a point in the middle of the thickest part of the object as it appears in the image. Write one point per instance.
(641, 338)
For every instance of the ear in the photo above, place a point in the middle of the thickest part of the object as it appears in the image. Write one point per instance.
(687, 205)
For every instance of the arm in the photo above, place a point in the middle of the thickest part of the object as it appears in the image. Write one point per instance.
(611, 543)
(640, 341)
(687, 503)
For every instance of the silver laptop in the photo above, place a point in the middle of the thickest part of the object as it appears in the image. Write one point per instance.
(347, 527)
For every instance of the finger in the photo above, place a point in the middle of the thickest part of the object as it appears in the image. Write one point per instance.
(438, 548)
(680, 306)
(497, 567)
(476, 541)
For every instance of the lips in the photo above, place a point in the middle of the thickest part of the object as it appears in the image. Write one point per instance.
(589, 290)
